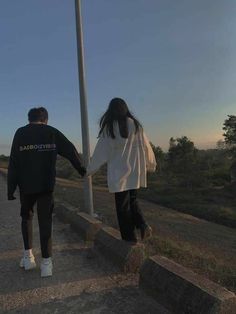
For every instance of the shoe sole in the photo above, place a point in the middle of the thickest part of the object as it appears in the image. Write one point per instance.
(31, 267)
(48, 275)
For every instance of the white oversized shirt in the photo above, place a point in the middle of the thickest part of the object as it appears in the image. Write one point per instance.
(128, 159)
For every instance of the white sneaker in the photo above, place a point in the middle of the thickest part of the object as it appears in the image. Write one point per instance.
(46, 267)
(28, 262)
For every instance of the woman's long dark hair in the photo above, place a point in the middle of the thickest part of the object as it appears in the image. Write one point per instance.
(117, 111)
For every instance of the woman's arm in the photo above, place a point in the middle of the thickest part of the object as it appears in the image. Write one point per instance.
(149, 154)
(100, 155)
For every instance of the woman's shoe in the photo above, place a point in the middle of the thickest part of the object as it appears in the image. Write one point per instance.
(145, 231)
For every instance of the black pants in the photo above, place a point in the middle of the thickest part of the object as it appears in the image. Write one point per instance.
(44, 210)
(129, 214)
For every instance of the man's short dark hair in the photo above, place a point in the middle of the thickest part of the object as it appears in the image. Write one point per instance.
(38, 115)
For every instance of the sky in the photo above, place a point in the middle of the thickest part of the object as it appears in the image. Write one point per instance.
(172, 61)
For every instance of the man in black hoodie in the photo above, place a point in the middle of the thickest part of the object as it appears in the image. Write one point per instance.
(32, 167)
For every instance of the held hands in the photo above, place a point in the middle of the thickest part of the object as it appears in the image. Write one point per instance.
(82, 171)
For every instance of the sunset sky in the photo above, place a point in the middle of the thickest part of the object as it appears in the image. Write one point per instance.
(172, 61)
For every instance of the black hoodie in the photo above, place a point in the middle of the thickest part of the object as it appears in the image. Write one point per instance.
(32, 164)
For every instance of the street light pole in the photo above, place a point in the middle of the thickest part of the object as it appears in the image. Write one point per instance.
(88, 192)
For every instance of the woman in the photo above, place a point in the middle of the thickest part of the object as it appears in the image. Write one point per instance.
(125, 148)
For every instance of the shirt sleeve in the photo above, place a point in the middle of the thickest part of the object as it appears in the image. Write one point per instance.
(149, 154)
(100, 155)
(66, 149)
(12, 176)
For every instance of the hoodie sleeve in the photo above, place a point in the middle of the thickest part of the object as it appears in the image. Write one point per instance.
(149, 154)
(100, 155)
(66, 149)
(12, 180)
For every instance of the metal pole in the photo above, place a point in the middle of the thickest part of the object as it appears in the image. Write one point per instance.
(88, 192)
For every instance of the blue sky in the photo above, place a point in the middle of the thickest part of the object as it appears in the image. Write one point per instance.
(172, 61)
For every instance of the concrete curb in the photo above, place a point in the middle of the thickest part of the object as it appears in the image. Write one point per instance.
(182, 291)
(82, 223)
(126, 256)
(107, 240)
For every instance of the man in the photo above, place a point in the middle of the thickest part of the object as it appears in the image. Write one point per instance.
(32, 168)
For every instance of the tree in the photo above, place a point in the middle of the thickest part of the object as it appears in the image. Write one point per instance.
(230, 135)
(230, 139)
(182, 160)
(160, 156)
(230, 130)
(221, 145)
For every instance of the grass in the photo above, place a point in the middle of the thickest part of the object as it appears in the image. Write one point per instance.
(184, 254)
(213, 204)
(216, 204)
(206, 248)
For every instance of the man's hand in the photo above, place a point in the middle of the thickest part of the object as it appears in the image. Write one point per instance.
(11, 197)
(82, 171)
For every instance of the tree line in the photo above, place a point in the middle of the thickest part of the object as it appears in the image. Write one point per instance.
(185, 165)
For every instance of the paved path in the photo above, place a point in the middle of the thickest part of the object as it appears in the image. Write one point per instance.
(82, 282)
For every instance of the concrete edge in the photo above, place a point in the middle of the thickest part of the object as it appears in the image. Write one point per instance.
(107, 240)
(82, 223)
(126, 256)
(183, 291)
